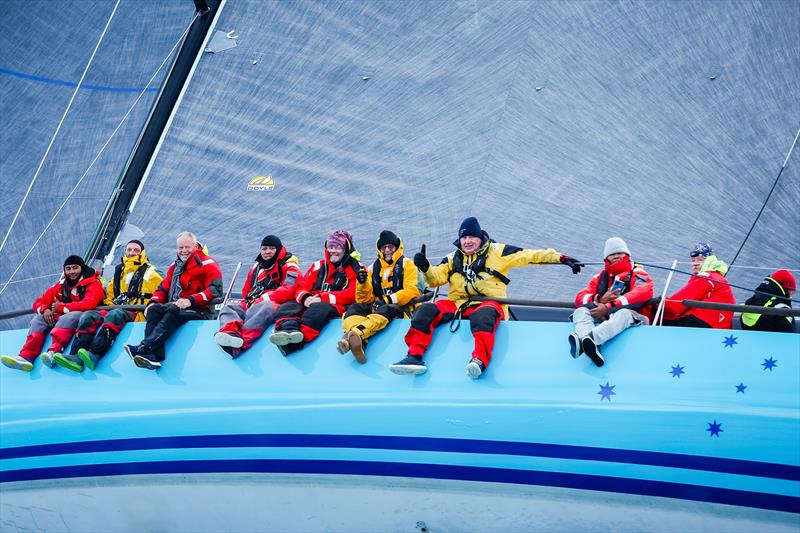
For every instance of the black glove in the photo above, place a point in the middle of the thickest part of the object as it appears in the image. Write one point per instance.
(574, 264)
(361, 275)
(421, 261)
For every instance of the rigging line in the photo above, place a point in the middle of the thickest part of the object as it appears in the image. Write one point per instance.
(33, 278)
(58, 128)
(785, 161)
(177, 43)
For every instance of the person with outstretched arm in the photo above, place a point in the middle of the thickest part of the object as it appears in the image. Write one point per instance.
(477, 267)
(613, 300)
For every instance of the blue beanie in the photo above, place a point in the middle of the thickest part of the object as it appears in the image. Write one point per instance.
(470, 228)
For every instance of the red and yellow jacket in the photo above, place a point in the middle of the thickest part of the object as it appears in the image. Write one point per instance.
(395, 291)
(709, 285)
(275, 283)
(85, 295)
(200, 281)
(638, 290)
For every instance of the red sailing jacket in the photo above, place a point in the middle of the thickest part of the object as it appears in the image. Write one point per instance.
(275, 279)
(703, 287)
(335, 285)
(200, 281)
(83, 296)
(639, 291)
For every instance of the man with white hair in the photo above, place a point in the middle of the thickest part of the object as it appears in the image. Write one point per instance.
(191, 284)
(612, 301)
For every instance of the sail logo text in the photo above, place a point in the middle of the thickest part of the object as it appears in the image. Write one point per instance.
(261, 183)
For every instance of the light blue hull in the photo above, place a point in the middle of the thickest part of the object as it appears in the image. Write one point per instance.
(556, 442)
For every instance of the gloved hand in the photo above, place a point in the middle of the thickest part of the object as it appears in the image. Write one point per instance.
(574, 264)
(421, 261)
(361, 275)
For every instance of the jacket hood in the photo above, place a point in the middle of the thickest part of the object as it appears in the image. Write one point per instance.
(134, 262)
(279, 256)
(713, 264)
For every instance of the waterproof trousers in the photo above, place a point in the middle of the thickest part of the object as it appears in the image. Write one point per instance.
(250, 324)
(61, 333)
(483, 321)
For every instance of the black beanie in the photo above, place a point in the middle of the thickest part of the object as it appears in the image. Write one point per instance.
(136, 241)
(271, 240)
(387, 237)
(470, 228)
(74, 260)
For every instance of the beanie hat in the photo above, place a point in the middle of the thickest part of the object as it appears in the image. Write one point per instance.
(615, 245)
(272, 240)
(785, 279)
(74, 260)
(470, 228)
(387, 237)
(339, 239)
(701, 248)
(136, 241)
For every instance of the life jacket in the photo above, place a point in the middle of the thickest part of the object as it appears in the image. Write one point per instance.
(628, 283)
(776, 298)
(339, 281)
(473, 271)
(397, 278)
(134, 291)
(274, 276)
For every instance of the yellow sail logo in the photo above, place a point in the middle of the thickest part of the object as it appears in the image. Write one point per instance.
(261, 183)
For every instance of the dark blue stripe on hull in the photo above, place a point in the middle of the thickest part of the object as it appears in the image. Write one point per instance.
(428, 471)
(379, 442)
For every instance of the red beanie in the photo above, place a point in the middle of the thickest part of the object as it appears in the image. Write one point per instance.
(785, 279)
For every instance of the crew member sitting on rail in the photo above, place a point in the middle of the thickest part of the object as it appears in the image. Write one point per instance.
(58, 311)
(774, 292)
(192, 283)
(478, 267)
(707, 284)
(323, 293)
(612, 301)
(270, 282)
(382, 294)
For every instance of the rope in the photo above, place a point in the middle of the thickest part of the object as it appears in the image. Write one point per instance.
(33, 278)
(785, 161)
(58, 128)
(130, 109)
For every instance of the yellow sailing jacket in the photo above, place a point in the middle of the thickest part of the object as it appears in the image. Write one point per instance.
(484, 273)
